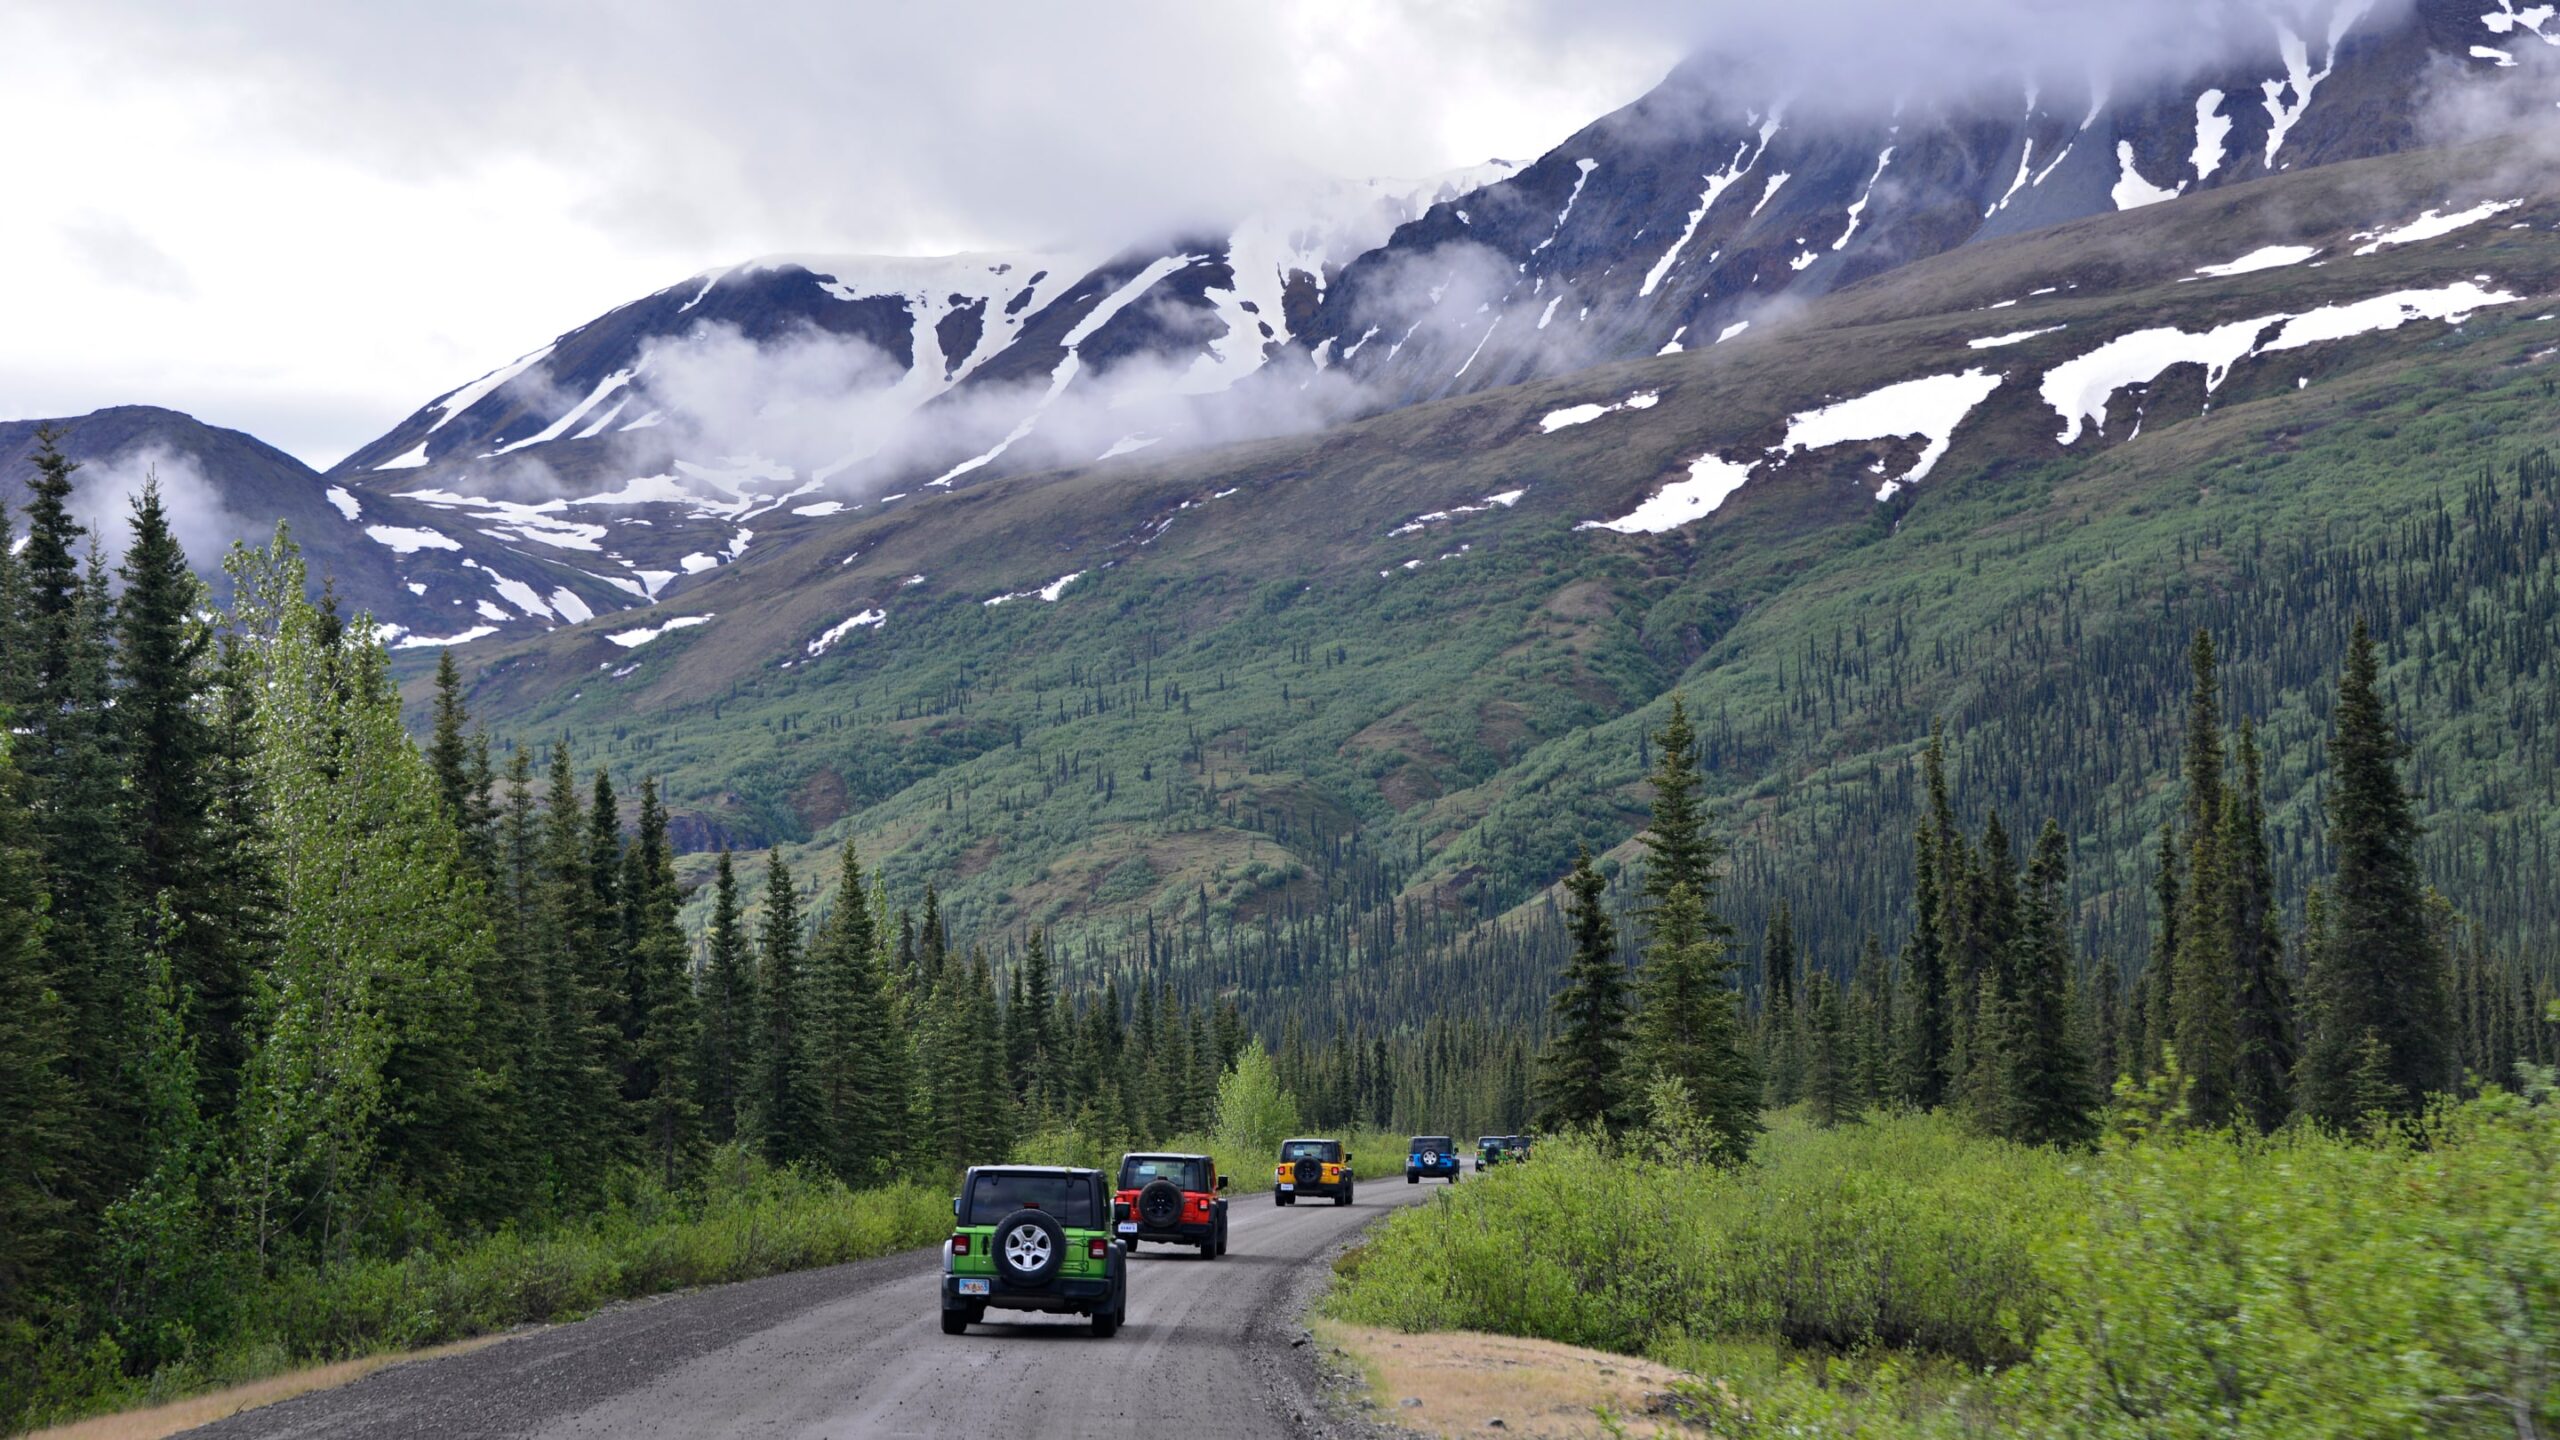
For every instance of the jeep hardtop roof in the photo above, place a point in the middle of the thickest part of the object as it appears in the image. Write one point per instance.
(1311, 1140)
(1031, 1170)
(1165, 1155)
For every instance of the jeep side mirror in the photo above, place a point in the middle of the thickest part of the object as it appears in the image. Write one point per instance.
(1222, 1182)
(955, 1207)
(1346, 1157)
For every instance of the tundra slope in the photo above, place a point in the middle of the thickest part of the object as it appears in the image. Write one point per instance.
(1221, 684)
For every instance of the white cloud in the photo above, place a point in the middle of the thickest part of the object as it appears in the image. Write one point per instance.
(370, 207)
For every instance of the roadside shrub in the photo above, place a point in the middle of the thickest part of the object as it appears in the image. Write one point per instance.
(747, 1220)
(1901, 1232)
(2313, 1286)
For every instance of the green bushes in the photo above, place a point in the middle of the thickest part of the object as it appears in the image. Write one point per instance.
(748, 1220)
(2185, 1285)
(2313, 1286)
(1905, 1232)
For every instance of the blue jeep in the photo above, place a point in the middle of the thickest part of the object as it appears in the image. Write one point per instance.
(1432, 1155)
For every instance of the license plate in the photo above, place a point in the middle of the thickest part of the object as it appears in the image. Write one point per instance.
(1129, 1227)
(973, 1287)
(1285, 1185)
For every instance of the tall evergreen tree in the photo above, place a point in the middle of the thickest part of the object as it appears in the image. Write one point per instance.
(2046, 1097)
(1832, 1092)
(582, 1125)
(662, 1087)
(2380, 1018)
(728, 1007)
(68, 752)
(785, 1113)
(858, 1060)
(1779, 1021)
(38, 1108)
(2262, 1070)
(1581, 1077)
(1689, 1026)
(2203, 983)
(1679, 850)
(1926, 1033)
(168, 748)
(2157, 989)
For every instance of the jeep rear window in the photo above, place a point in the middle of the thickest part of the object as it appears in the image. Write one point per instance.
(1069, 1198)
(1136, 1173)
(1324, 1150)
(1430, 1142)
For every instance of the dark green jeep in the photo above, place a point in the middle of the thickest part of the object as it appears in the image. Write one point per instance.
(1034, 1237)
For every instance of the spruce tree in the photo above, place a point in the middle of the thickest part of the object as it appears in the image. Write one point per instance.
(2263, 1006)
(786, 1115)
(2380, 1019)
(1780, 1037)
(1689, 1026)
(1832, 1093)
(728, 1007)
(582, 1126)
(856, 1056)
(38, 1107)
(1926, 1031)
(1678, 848)
(1581, 1078)
(67, 752)
(2159, 979)
(2046, 1098)
(662, 1089)
(168, 749)
(2203, 982)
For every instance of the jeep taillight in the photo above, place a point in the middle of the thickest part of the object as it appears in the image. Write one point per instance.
(1097, 1249)
(959, 1244)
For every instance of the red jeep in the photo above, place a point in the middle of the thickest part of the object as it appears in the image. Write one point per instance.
(1171, 1198)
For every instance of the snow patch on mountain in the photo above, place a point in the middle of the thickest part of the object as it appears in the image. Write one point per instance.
(2080, 389)
(1718, 182)
(1572, 415)
(1712, 480)
(2271, 257)
(634, 639)
(1931, 407)
(404, 540)
(2132, 192)
(465, 397)
(2431, 225)
(867, 620)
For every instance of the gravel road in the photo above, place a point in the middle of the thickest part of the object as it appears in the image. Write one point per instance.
(857, 1351)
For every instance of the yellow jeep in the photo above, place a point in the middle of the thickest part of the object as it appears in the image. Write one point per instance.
(1311, 1167)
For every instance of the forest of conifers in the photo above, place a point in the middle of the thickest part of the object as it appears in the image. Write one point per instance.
(284, 991)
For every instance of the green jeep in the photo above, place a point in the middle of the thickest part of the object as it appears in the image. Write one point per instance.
(1034, 1237)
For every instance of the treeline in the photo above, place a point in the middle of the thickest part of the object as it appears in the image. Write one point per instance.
(282, 990)
(2379, 1000)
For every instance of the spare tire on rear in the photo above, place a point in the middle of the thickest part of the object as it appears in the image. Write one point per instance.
(1310, 1172)
(1160, 1204)
(1029, 1247)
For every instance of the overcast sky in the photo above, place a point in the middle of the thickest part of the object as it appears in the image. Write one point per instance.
(306, 219)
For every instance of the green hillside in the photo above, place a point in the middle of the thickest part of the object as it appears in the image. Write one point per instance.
(1267, 743)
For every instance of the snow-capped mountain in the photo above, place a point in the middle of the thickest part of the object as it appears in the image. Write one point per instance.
(653, 442)
(1710, 207)
(772, 401)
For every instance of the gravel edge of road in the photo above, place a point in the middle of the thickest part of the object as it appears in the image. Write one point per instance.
(1318, 1394)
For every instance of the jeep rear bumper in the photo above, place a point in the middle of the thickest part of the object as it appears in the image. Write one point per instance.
(1187, 1232)
(1057, 1297)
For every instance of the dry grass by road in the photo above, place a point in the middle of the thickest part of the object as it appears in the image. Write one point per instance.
(158, 1421)
(1477, 1385)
